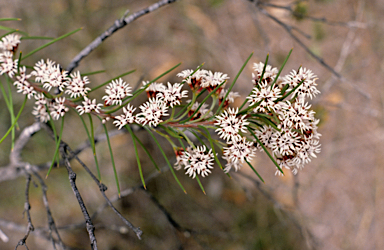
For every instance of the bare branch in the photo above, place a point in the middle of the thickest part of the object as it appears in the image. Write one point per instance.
(20, 143)
(289, 29)
(118, 24)
(102, 189)
(27, 208)
(72, 179)
(51, 222)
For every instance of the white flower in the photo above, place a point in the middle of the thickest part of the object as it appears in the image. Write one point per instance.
(152, 111)
(231, 125)
(40, 112)
(116, 91)
(266, 136)
(201, 112)
(58, 108)
(23, 85)
(7, 64)
(307, 88)
(50, 75)
(89, 106)
(76, 86)
(285, 142)
(212, 80)
(240, 150)
(269, 74)
(230, 98)
(10, 42)
(308, 150)
(231, 164)
(173, 94)
(40, 99)
(153, 89)
(194, 80)
(197, 161)
(297, 115)
(126, 118)
(266, 96)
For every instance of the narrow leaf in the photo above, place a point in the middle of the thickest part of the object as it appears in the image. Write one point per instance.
(105, 83)
(92, 141)
(201, 185)
(254, 170)
(201, 104)
(281, 68)
(165, 157)
(137, 156)
(56, 154)
(147, 152)
(51, 42)
(233, 84)
(266, 151)
(112, 159)
(15, 121)
(10, 19)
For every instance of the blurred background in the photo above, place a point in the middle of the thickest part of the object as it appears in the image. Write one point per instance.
(336, 202)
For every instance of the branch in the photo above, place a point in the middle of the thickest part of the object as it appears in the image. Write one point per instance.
(39, 232)
(289, 28)
(27, 208)
(102, 189)
(16, 167)
(51, 222)
(350, 24)
(26, 134)
(118, 24)
(72, 179)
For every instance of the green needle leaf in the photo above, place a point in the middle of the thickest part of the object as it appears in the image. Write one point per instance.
(266, 151)
(15, 121)
(201, 104)
(254, 170)
(147, 152)
(51, 42)
(112, 159)
(96, 72)
(281, 68)
(92, 141)
(57, 147)
(233, 84)
(105, 83)
(137, 156)
(290, 92)
(165, 157)
(213, 148)
(201, 186)
(10, 19)
(261, 77)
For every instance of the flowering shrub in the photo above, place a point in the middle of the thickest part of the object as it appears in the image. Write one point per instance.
(275, 118)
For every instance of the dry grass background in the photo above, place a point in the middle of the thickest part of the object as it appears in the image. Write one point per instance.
(336, 202)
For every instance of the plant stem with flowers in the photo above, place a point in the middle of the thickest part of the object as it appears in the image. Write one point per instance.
(277, 119)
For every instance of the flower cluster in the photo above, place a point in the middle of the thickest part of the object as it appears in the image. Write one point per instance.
(195, 161)
(278, 118)
(8, 46)
(203, 79)
(293, 138)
